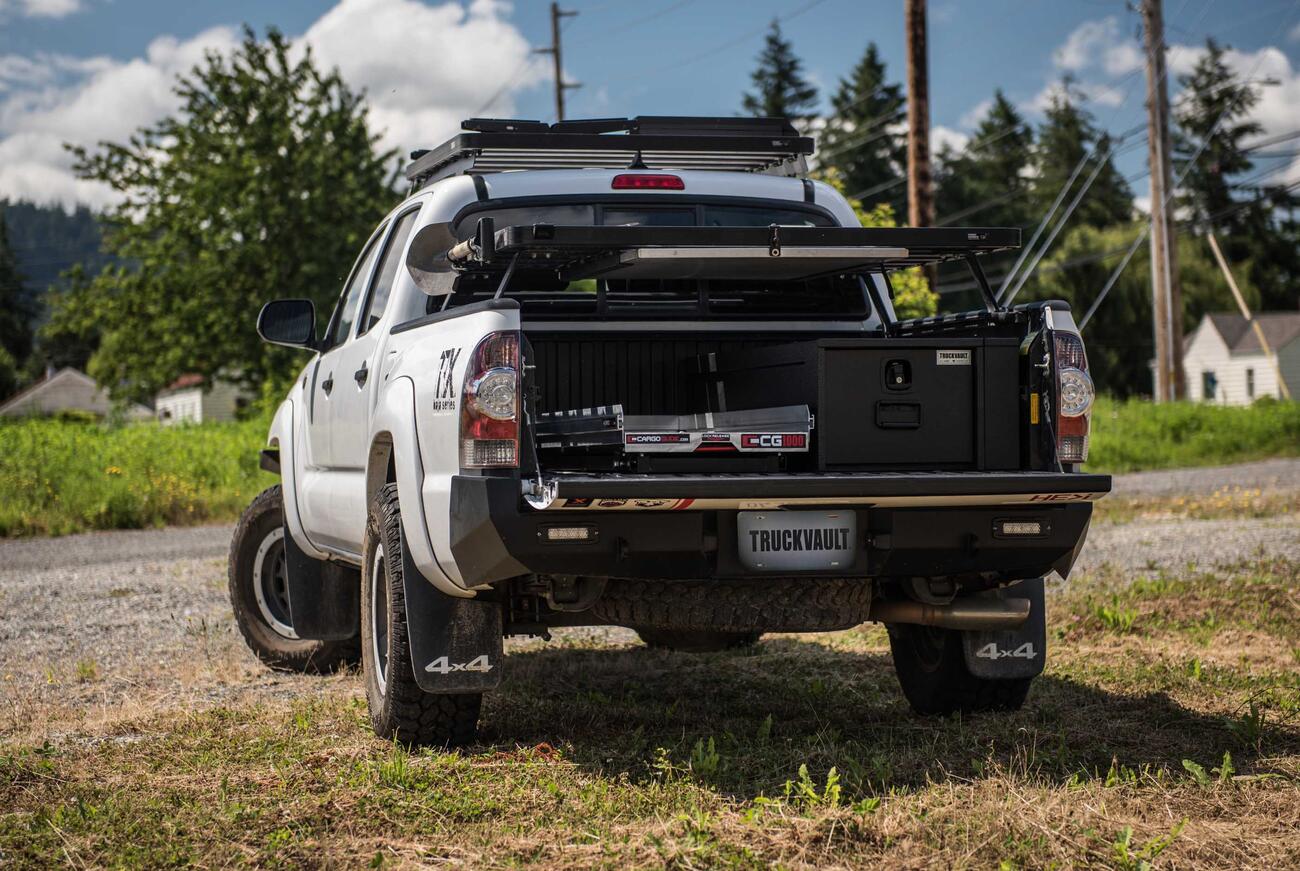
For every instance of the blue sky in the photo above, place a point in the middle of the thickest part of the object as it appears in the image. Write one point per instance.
(86, 69)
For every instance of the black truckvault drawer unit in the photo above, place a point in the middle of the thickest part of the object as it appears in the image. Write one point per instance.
(943, 403)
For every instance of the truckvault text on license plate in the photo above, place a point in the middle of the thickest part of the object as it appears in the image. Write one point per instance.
(796, 541)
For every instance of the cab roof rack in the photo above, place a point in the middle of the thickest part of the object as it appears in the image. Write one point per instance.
(768, 145)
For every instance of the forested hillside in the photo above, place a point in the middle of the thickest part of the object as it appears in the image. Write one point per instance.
(43, 242)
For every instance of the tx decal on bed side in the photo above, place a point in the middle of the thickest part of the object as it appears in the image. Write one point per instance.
(444, 391)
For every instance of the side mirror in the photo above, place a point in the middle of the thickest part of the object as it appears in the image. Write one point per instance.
(289, 322)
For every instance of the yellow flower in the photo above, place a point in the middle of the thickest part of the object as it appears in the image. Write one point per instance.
(113, 471)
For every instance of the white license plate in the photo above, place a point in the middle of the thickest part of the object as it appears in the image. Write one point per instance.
(796, 541)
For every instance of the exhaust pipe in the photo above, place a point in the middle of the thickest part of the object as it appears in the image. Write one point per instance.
(965, 614)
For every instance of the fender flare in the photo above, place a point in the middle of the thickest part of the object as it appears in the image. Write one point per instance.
(394, 444)
(284, 435)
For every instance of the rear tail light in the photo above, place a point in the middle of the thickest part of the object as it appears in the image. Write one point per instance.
(489, 410)
(1074, 396)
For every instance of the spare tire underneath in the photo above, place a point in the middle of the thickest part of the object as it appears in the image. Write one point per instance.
(735, 605)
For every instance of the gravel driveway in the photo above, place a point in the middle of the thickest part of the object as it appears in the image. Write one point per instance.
(98, 626)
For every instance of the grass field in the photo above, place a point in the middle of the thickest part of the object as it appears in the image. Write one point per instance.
(1133, 435)
(1165, 733)
(58, 477)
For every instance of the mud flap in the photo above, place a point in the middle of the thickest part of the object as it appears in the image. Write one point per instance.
(1016, 653)
(324, 597)
(456, 644)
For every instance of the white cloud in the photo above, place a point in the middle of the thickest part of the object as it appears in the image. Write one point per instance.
(424, 69)
(41, 8)
(1099, 44)
(1294, 35)
(1123, 58)
(975, 114)
(1093, 93)
(941, 136)
(83, 101)
(1278, 109)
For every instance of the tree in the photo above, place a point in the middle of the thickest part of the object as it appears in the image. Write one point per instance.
(264, 185)
(1215, 110)
(1211, 97)
(780, 90)
(913, 297)
(1120, 344)
(860, 141)
(54, 247)
(1065, 136)
(986, 184)
(16, 313)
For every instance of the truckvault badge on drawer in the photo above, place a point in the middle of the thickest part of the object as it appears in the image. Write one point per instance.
(796, 541)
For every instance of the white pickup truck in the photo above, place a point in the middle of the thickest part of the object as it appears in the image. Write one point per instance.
(645, 373)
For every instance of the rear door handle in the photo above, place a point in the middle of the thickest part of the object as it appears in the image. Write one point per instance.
(361, 375)
(328, 384)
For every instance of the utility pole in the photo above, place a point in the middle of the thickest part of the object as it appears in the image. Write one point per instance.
(1166, 293)
(554, 51)
(920, 182)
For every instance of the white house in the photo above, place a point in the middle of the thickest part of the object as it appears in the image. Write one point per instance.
(1225, 363)
(191, 399)
(68, 389)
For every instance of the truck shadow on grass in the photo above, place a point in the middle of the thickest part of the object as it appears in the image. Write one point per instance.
(744, 722)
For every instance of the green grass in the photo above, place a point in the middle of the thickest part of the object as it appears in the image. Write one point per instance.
(58, 477)
(1132, 435)
(797, 753)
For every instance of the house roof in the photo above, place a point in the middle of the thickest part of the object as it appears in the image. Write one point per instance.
(190, 379)
(1279, 328)
(101, 402)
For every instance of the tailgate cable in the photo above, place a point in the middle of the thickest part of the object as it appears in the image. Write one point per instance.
(539, 494)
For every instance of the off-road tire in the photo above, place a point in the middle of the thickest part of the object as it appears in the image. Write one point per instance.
(741, 606)
(932, 672)
(399, 709)
(696, 641)
(260, 524)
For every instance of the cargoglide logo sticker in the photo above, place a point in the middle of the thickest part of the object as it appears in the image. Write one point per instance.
(658, 438)
(759, 441)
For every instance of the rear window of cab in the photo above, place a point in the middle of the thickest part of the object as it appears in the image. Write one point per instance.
(639, 215)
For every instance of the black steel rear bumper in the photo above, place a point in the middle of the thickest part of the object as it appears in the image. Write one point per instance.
(910, 524)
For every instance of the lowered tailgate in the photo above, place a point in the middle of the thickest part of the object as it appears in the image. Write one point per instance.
(614, 491)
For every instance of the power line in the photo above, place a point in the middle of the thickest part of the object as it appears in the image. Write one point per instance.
(628, 25)
(1114, 276)
(1060, 225)
(696, 58)
(1056, 203)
